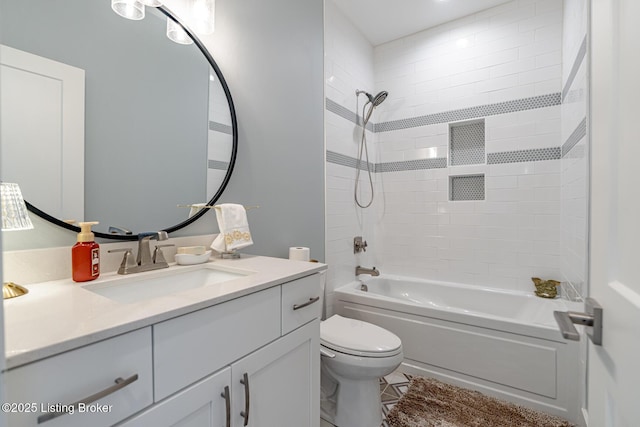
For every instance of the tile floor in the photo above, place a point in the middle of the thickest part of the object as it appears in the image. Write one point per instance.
(392, 387)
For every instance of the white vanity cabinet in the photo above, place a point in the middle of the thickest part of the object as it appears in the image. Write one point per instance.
(253, 361)
(249, 361)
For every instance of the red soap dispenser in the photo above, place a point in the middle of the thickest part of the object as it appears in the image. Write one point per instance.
(85, 255)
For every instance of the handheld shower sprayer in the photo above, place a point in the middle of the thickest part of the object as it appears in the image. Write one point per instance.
(373, 102)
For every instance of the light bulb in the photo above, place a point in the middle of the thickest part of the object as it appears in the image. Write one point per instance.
(151, 3)
(203, 16)
(130, 9)
(176, 33)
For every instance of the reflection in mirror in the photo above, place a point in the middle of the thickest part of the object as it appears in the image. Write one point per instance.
(148, 124)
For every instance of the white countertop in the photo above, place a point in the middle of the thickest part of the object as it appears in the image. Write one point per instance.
(61, 315)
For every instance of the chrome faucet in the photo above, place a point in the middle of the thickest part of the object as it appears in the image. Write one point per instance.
(144, 250)
(363, 270)
(144, 261)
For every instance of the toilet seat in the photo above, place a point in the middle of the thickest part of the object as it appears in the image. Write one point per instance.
(358, 338)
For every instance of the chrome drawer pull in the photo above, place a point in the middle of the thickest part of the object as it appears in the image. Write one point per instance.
(311, 301)
(119, 384)
(245, 414)
(227, 401)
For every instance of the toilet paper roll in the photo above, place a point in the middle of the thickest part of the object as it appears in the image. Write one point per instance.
(299, 253)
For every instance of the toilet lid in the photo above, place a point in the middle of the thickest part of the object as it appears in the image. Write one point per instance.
(359, 338)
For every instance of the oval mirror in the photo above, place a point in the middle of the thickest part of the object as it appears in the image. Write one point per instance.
(106, 119)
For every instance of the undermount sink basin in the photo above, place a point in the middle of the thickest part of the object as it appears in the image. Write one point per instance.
(154, 284)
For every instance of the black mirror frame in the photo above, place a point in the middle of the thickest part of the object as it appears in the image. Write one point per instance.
(232, 161)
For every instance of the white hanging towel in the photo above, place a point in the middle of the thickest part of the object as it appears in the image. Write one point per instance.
(195, 208)
(234, 228)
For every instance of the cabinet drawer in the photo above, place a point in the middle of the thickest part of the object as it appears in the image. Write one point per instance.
(54, 384)
(190, 347)
(301, 302)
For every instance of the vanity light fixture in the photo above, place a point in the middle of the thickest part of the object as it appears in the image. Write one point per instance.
(203, 16)
(151, 3)
(130, 9)
(14, 217)
(176, 33)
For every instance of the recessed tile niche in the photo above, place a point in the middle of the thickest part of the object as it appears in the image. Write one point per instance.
(466, 147)
(466, 143)
(466, 187)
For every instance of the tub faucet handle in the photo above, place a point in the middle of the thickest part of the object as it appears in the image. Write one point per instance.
(359, 245)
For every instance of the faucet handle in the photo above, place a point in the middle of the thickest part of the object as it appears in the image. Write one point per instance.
(158, 255)
(127, 261)
(359, 245)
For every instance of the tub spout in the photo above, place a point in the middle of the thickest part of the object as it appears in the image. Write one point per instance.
(363, 270)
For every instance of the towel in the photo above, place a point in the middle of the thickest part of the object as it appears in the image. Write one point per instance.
(234, 228)
(195, 208)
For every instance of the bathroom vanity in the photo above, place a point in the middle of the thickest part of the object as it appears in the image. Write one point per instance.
(240, 352)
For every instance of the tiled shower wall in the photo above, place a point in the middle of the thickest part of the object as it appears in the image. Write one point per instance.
(575, 148)
(503, 66)
(348, 66)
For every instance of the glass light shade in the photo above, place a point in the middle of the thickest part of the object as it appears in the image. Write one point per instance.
(176, 33)
(151, 3)
(203, 16)
(130, 9)
(14, 210)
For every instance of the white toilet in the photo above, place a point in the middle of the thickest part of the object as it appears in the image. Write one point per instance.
(354, 355)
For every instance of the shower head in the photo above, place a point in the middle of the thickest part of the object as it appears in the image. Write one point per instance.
(374, 100)
(379, 98)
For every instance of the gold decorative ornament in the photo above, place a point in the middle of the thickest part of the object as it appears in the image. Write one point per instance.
(12, 290)
(546, 288)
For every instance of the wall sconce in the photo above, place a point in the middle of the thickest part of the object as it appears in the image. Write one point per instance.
(151, 3)
(130, 9)
(14, 217)
(203, 16)
(200, 15)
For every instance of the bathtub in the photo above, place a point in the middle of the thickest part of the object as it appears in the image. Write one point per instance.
(502, 343)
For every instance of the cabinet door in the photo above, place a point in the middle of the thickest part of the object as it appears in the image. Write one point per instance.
(279, 384)
(201, 405)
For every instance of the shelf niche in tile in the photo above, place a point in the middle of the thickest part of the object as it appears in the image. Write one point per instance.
(466, 143)
(466, 187)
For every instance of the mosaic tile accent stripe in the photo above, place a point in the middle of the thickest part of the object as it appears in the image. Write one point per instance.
(217, 164)
(578, 133)
(582, 52)
(466, 187)
(410, 165)
(345, 113)
(532, 155)
(467, 143)
(344, 160)
(220, 127)
(472, 112)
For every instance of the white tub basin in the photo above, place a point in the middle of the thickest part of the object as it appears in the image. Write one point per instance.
(144, 286)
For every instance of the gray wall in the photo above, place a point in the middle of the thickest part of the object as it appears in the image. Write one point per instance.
(271, 53)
